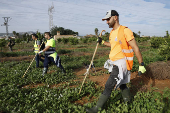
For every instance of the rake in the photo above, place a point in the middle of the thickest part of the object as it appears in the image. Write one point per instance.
(31, 62)
(91, 62)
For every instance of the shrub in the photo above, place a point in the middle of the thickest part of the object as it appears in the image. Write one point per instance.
(65, 40)
(142, 39)
(18, 40)
(59, 40)
(73, 41)
(166, 41)
(93, 38)
(156, 42)
(2, 43)
(90, 39)
(105, 38)
(63, 51)
(81, 39)
(164, 51)
(84, 40)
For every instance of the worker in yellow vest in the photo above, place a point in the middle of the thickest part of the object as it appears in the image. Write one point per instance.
(50, 53)
(123, 46)
(37, 44)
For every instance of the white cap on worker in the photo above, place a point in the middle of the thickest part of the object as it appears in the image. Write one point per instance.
(110, 13)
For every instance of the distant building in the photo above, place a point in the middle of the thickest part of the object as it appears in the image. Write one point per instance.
(145, 36)
(13, 37)
(2, 37)
(5, 37)
(63, 36)
(90, 35)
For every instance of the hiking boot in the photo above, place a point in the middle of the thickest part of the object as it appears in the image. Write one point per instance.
(99, 105)
(44, 71)
(63, 71)
(126, 95)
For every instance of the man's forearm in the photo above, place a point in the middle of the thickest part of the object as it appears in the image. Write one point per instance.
(136, 50)
(46, 48)
(138, 55)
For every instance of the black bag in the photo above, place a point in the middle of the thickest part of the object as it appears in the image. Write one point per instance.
(42, 45)
(12, 42)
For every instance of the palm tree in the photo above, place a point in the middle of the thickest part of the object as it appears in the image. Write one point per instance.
(139, 33)
(167, 34)
(14, 33)
(96, 31)
(17, 35)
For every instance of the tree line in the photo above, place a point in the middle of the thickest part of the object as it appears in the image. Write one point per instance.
(62, 30)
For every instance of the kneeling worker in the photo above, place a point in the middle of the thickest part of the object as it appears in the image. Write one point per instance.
(50, 53)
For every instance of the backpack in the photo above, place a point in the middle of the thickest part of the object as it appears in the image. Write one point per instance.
(42, 45)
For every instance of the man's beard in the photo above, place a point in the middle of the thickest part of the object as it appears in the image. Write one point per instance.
(111, 24)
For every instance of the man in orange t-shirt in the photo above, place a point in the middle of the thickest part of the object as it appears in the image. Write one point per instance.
(117, 65)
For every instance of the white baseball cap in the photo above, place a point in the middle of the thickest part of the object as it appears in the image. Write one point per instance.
(110, 13)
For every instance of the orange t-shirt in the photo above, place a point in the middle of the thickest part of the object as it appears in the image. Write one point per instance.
(116, 49)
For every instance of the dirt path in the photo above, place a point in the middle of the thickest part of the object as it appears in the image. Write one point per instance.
(137, 83)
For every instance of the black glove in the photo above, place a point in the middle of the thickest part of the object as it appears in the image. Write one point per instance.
(99, 40)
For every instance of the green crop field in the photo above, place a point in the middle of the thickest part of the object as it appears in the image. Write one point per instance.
(59, 93)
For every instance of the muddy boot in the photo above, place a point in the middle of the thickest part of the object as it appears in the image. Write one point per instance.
(62, 69)
(44, 71)
(99, 105)
(126, 95)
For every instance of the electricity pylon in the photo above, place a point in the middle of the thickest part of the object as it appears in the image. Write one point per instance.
(6, 24)
(50, 13)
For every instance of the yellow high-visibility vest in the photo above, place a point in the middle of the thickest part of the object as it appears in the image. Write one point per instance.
(51, 43)
(36, 49)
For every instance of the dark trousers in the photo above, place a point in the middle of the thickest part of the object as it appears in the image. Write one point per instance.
(51, 59)
(112, 81)
(37, 59)
(10, 48)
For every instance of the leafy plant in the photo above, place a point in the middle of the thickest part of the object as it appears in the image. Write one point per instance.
(65, 40)
(164, 51)
(73, 41)
(142, 39)
(84, 40)
(156, 42)
(59, 40)
(59, 93)
(3, 43)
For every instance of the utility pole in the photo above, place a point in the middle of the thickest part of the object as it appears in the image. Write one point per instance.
(6, 24)
(50, 13)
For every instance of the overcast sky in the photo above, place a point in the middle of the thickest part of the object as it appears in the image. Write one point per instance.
(150, 17)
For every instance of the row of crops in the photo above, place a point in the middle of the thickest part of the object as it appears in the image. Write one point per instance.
(65, 98)
(14, 97)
